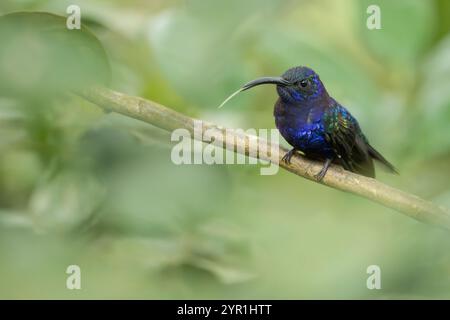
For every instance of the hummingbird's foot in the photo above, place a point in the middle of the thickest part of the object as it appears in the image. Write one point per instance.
(324, 170)
(287, 157)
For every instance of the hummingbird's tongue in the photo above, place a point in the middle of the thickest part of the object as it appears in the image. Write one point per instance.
(231, 96)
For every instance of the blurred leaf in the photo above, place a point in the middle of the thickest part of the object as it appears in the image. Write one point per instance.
(226, 274)
(64, 201)
(39, 56)
(13, 219)
(212, 253)
(152, 254)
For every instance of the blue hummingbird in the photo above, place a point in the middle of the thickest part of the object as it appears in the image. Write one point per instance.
(312, 122)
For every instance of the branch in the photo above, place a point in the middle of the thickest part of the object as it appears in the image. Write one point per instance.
(336, 177)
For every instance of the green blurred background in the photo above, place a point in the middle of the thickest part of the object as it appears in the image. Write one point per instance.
(78, 186)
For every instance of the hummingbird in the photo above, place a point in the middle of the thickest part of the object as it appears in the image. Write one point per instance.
(315, 124)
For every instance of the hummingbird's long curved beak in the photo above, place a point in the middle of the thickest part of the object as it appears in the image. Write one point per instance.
(265, 80)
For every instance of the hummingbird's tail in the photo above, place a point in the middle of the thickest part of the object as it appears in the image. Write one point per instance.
(377, 156)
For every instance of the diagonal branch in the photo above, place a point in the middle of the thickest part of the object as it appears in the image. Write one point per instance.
(336, 177)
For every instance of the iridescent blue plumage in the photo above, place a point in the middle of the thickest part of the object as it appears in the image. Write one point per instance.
(302, 128)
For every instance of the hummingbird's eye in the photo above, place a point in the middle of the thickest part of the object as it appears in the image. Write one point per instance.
(304, 83)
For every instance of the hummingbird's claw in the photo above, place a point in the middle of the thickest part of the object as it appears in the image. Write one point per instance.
(287, 157)
(323, 171)
(320, 175)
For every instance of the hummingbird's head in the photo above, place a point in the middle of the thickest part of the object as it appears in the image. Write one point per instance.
(304, 85)
(296, 85)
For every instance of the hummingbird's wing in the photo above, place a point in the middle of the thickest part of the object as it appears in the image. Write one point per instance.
(343, 133)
